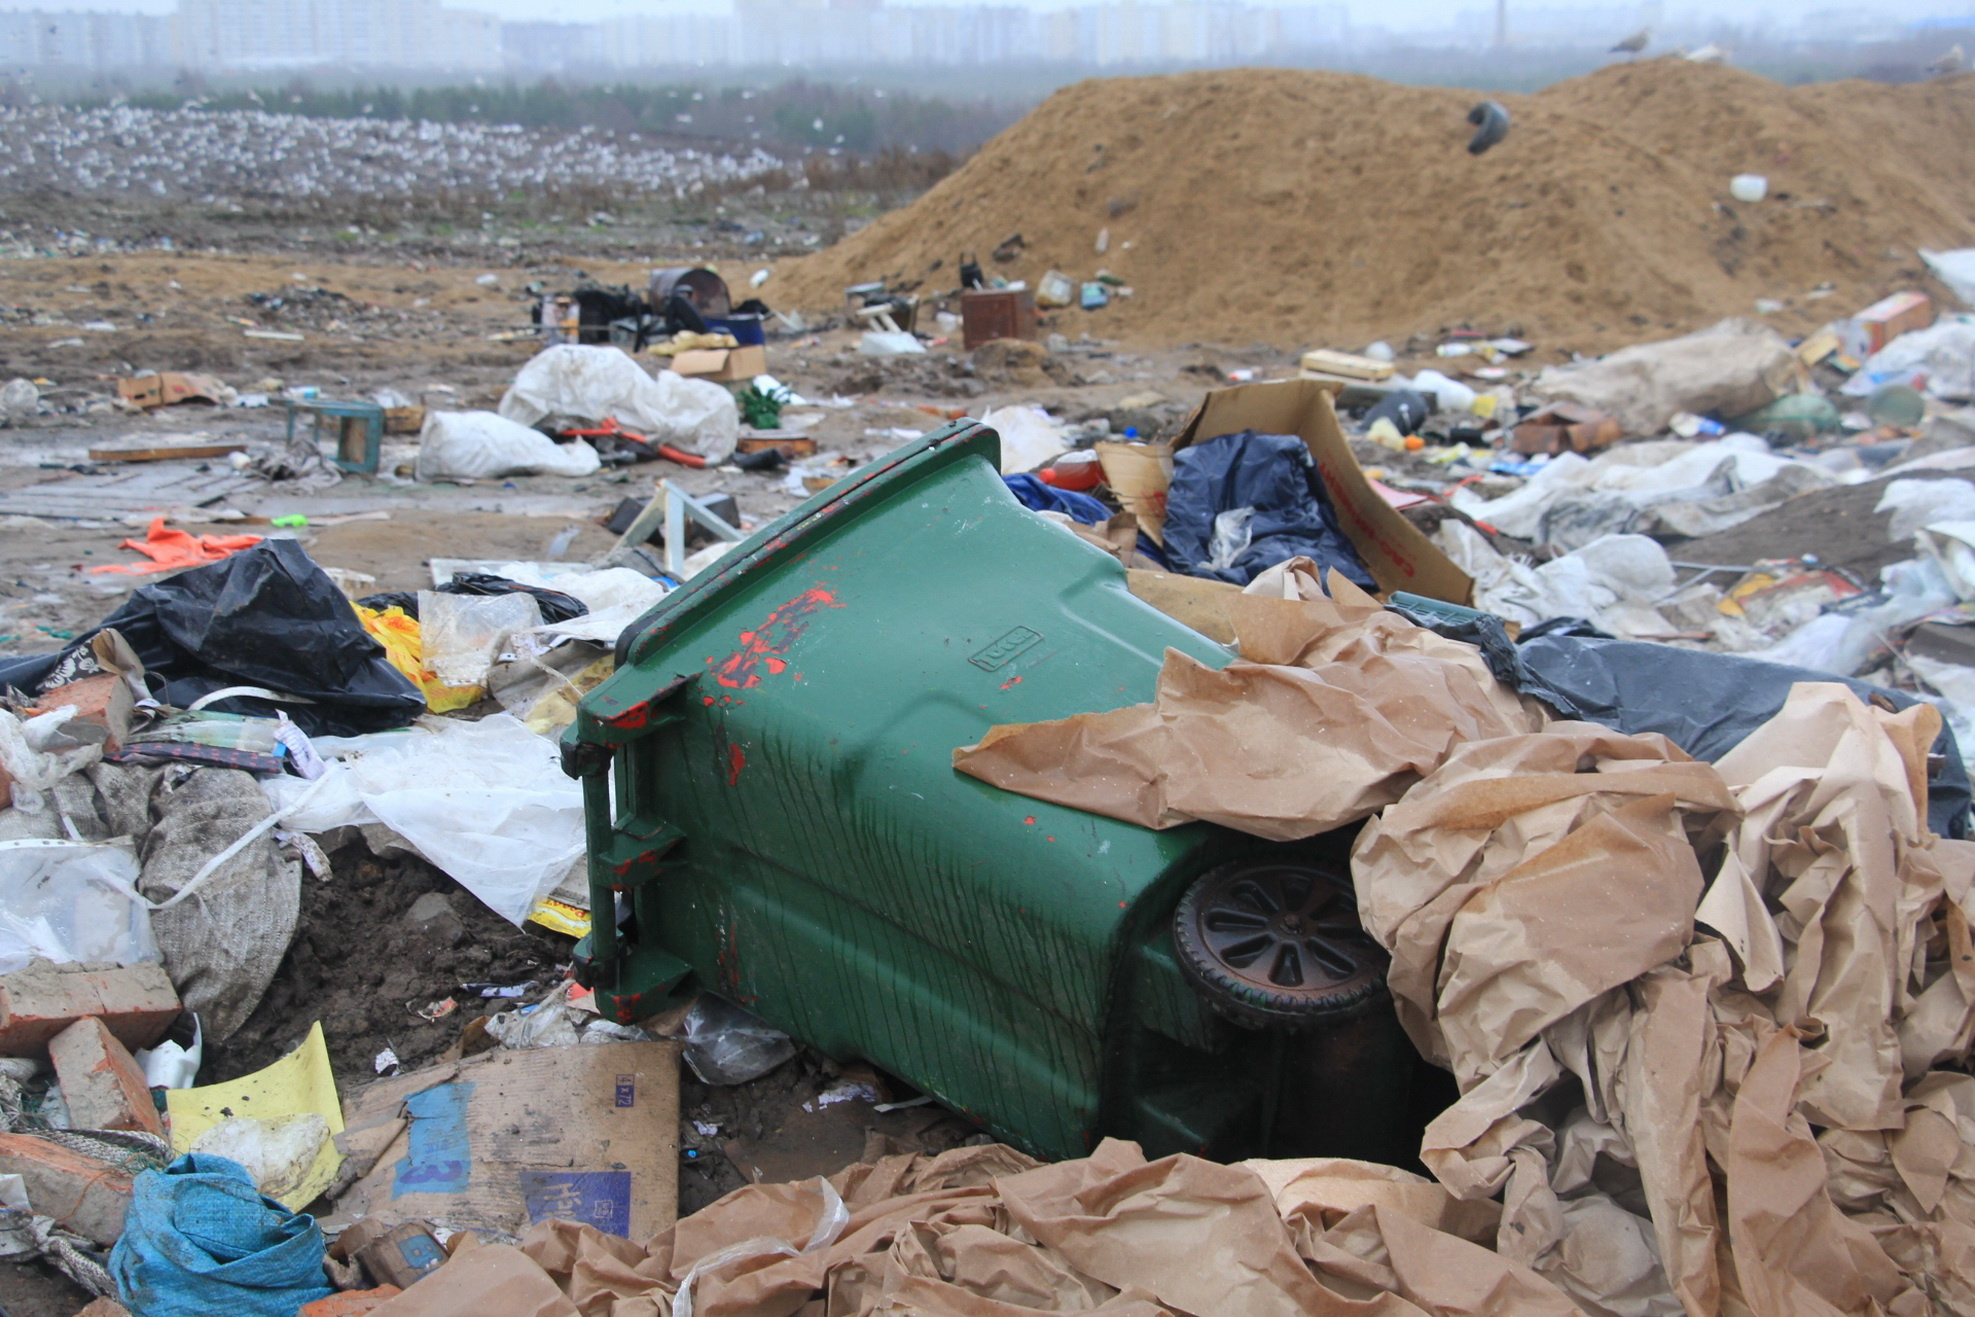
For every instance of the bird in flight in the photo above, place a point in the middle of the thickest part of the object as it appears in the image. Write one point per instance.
(1635, 43)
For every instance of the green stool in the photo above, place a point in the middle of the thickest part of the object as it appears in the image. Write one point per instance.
(358, 431)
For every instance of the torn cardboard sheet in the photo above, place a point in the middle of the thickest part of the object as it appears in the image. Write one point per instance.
(985, 1232)
(1667, 1071)
(1335, 708)
(509, 1138)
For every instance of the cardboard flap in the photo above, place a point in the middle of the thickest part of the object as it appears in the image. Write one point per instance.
(1398, 556)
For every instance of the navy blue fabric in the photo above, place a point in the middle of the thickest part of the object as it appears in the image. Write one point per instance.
(199, 1239)
(1271, 473)
(1039, 497)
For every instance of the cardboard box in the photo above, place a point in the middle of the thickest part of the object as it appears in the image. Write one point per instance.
(508, 1138)
(1566, 427)
(1398, 556)
(1327, 361)
(162, 390)
(723, 365)
(1889, 317)
(987, 314)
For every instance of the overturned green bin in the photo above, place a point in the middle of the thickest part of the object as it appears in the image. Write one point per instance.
(773, 813)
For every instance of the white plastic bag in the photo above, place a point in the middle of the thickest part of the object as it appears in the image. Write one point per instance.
(71, 901)
(42, 750)
(1729, 369)
(889, 343)
(481, 446)
(573, 383)
(1917, 503)
(727, 1045)
(1234, 531)
(485, 801)
(278, 1151)
(1956, 269)
(1939, 360)
(463, 634)
(1029, 437)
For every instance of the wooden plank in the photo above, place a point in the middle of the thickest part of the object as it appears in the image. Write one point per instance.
(166, 452)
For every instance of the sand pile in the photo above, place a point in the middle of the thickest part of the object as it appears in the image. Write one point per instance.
(1299, 207)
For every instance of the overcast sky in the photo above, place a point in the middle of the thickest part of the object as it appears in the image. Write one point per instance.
(1407, 14)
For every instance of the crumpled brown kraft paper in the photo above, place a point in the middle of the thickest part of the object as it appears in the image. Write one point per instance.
(1335, 708)
(986, 1232)
(1700, 1101)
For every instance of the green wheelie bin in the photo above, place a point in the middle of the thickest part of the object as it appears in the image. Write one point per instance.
(774, 816)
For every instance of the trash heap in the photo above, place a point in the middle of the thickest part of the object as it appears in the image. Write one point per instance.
(1664, 861)
(1271, 205)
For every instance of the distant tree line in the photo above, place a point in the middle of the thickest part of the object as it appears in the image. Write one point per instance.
(794, 116)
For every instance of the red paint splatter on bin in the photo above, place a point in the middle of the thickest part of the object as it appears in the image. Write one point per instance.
(1012, 681)
(736, 761)
(767, 646)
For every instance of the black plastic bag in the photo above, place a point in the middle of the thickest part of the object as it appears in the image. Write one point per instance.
(556, 606)
(1272, 477)
(269, 617)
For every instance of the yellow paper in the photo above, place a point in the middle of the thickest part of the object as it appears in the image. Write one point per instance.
(299, 1082)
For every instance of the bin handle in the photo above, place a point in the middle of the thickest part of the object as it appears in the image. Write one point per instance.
(612, 862)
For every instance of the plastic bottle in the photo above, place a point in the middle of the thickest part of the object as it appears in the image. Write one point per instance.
(1079, 470)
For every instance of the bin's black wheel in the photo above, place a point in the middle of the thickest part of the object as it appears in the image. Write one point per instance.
(1277, 945)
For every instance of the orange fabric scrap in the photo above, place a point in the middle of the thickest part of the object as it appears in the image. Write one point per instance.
(169, 550)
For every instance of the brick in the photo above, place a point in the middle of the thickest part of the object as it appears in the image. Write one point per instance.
(82, 1194)
(103, 699)
(136, 1002)
(101, 1082)
(350, 1303)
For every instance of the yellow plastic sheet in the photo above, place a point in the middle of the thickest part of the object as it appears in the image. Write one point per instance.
(404, 646)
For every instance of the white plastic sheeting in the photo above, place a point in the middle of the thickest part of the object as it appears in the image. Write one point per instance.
(1614, 582)
(1640, 475)
(485, 801)
(568, 383)
(71, 901)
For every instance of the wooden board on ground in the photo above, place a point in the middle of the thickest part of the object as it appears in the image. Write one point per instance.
(502, 1140)
(187, 450)
(793, 443)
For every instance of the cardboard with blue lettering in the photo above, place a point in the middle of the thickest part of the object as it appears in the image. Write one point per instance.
(500, 1141)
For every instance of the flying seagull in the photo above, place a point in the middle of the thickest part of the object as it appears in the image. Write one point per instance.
(1635, 43)
(1949, 62)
